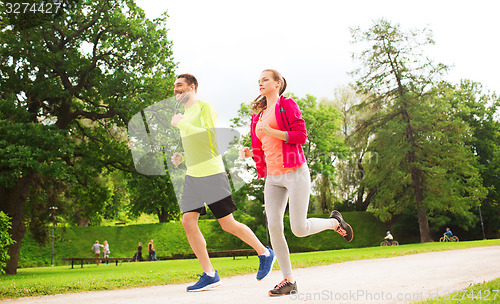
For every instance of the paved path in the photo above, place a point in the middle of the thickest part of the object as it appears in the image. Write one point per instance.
(391, 280)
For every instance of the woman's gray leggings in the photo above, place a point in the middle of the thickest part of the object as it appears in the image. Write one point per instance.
(295, 186)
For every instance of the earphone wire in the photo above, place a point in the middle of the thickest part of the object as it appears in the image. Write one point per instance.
(179, 141)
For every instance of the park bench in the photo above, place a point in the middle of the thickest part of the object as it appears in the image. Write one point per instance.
(233, 253)
(95, 259)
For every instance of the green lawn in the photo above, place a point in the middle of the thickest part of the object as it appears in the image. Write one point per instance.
(63, 279)
(488, 292)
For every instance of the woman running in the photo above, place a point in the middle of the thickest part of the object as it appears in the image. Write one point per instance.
(277, 133)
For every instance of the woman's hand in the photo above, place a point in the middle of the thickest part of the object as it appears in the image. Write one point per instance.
(264, 126)
(245, 153)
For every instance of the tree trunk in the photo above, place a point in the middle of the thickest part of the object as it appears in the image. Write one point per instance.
(13, 206)
(162, 215)
(362, 205)
(416, 180)
(324, 191)
(423, 223)
(359, 199)
(81, 221)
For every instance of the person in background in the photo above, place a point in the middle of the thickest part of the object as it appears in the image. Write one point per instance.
(389, 237)
(448, 233)
(105, 251)
(152, 251)
(97, 251)
(139, 252)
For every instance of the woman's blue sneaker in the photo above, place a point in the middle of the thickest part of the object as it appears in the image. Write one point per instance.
(205, 282)
(266, 264)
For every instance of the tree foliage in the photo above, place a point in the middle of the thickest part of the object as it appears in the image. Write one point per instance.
(351, 167)
(481, 112)
(69, 84)
(323, 147)
(153, 194)
(424, 165)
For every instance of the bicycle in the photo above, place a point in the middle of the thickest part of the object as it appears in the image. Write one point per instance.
(446, 238)
(386, 243)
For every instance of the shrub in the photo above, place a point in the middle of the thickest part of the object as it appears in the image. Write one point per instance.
(171, 242)
(5, 240)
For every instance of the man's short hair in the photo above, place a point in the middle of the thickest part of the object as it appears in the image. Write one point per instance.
(190, 79)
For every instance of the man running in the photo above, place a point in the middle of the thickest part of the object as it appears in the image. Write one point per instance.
(206, 182)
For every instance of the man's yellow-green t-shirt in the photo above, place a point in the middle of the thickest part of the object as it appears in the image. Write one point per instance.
(198, 139)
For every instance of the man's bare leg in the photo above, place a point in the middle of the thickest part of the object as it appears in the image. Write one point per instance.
(229, 224)
(196, 240)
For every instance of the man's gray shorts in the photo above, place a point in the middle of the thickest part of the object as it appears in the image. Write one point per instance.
(200, 190)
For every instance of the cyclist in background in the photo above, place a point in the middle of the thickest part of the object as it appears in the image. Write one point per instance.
(448, 233)
(389, 237)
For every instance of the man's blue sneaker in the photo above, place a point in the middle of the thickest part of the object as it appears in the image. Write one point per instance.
(205, 282)
(266, 264)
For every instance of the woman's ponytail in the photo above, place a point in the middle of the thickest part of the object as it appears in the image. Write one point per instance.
(283, 85)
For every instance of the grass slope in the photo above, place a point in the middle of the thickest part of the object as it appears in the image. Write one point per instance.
(170, 239)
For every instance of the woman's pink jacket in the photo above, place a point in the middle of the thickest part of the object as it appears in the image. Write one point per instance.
(289, 119)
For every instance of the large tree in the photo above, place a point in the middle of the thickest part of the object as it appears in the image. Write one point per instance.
(323, 147)
(351, 171)
(153, 194)
(481, 110)
(69, 84)
(423, 165)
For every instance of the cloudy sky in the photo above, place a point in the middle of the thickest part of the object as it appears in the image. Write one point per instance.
(226, 44)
